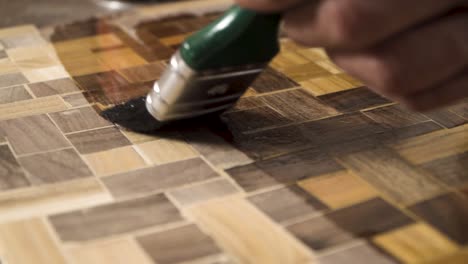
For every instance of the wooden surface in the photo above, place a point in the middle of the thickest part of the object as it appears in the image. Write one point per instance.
(308, 167)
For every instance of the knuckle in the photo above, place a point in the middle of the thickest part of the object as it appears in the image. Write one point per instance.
(386, 75)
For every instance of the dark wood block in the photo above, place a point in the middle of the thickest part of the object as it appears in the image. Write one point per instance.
(98, 140)
(12, 79)
(79, 119)
(60, 86)
(33, 134)
(11, 174)
(448, 213)
(271, 142)
(247, 103)
(446, 118)
(320, 233)
(452, 170)
(298, 105)
(115, 218)
(395, 116)
(254, 119)
(353, 100)
(187, 243)
(284, 169)
(379, 217)
(287, 203)
(159, 178)
(14, 94)
(52, 167)
(392, 175)
(271, 80)
(104, 81)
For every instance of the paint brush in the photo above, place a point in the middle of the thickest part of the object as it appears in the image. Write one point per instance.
(208, 74)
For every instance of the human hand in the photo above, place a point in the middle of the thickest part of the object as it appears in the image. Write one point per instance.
(413, 52)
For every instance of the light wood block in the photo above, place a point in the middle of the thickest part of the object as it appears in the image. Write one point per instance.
(46, 74)
(7, 66)
(120, 58)
(51, 199)
(31, 107)
(88, 43)
(258, 242)
(417, 243)
(28, 242)
(166, 150)
(115, 161)
(339, 189)
(326, 85)
(118, 251)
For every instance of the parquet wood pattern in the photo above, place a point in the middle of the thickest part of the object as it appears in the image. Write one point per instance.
(309, 167)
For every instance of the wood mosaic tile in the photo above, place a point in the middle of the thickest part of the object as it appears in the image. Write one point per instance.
(287, 203)
(49, 199)
(116, 218)
(299, 106)
(119, 251)
(360, 253)
(98, 140)
(46, 136)
(115, 161)
(57, 166)
(340, 189)
(166, 150)
(353, 100)
(12, 79)
(202, 192)
(79, 119)
(308, 161)
(30, 236)
(436, 210)
(223, 220)
(12, 175)
(393, 176)
(32, 107)
(159, 178)
(186, 243)
(14, 94)
(417, 243)
(60, 86)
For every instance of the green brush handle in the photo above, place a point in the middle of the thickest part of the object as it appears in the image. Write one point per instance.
(239, 37)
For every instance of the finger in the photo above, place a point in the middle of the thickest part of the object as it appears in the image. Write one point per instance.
(413, 61)
(445, 94)
(269, 5)
(354, 24)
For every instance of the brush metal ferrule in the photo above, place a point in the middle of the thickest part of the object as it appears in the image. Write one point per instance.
(183, 92)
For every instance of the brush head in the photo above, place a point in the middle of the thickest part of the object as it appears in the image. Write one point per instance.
(133, 115)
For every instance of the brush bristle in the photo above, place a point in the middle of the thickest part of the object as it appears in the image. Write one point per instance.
(133, 115)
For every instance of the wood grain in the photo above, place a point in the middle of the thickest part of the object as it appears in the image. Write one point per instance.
(359, 253)
(353, 99)
(118, 251)
(46, 136)
(11, 174)
(298, 106)
(223, 220)
(79, 119)
(166, 150)
(75, 100)
(271, 80)
(395, 116)
(393, 176)
(287, 203)
(14, 94)
(98, 140)
(254, 119)
(12, 79)
(159, 178)
(340, 189)
(435, 211)
(32, 107)
(417, 243)
(56, 166)
(115, 218)
(114, 161)
(186, 243)
(29, 236)
(60, 86)
(187, 196)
